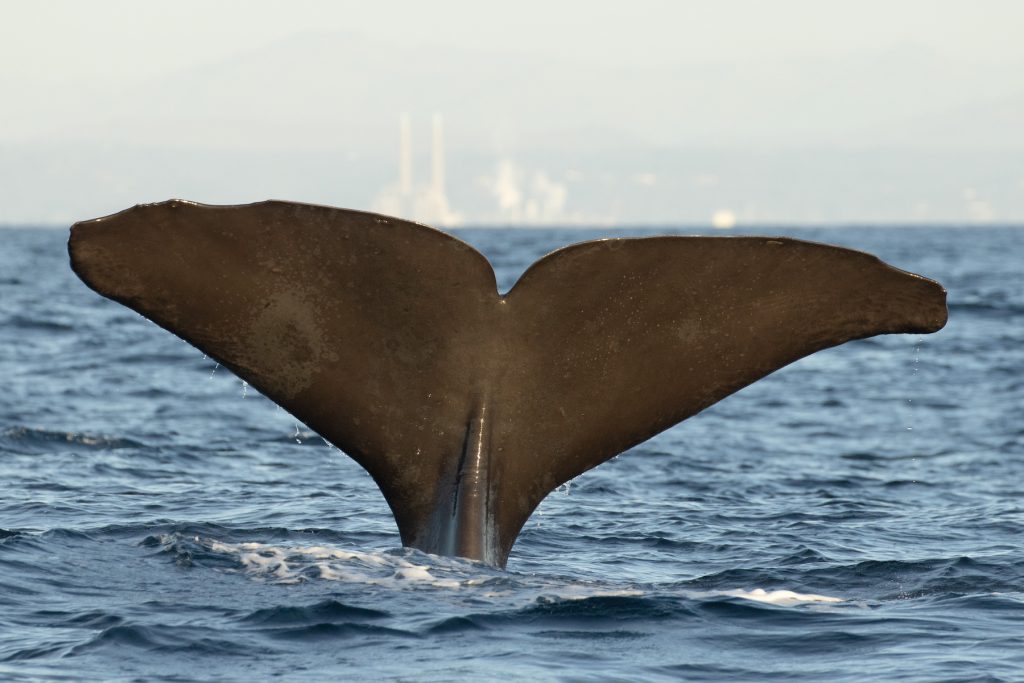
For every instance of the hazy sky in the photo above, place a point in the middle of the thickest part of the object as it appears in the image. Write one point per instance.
(58, 41)
(593, 111)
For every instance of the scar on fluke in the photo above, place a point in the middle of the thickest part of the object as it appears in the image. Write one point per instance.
(466, 406)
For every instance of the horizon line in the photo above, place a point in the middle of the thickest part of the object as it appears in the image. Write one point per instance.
(653, 225)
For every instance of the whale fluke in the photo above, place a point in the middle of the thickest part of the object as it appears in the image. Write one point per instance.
(467, 408)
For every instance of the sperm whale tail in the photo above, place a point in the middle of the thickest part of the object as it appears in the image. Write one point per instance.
(467, 407)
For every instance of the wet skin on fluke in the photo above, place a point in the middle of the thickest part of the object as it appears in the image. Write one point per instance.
(467, 407)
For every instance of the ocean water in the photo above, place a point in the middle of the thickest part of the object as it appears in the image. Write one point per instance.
(858, 515)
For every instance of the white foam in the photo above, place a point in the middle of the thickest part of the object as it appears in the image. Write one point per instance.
(778, 597)
(285, 564)
(294, 564)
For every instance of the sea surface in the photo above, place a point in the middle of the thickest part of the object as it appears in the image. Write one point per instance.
(856, 516)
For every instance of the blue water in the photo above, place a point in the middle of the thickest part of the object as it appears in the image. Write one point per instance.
(855, 516)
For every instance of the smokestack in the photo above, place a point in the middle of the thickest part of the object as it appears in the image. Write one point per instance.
(437, 175)
(404, 156)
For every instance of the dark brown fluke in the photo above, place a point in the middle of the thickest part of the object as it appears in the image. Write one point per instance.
(467, 407)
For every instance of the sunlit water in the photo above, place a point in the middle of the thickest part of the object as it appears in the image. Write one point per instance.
(856, 516)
